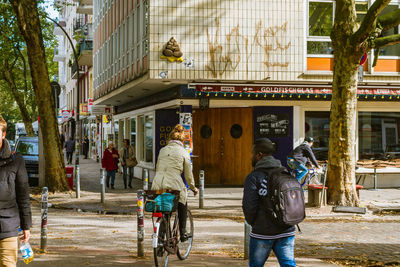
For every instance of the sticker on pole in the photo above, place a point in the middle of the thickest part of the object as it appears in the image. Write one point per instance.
(363, 59)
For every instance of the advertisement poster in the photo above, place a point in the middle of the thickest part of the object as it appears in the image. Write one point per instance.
(273, 125)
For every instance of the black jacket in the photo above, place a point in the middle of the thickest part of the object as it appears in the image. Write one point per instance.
(253, 208)
(303, 154)
(15, 208)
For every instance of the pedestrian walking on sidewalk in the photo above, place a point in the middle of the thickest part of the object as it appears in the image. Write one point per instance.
(15, 207)
(110, 163)
(128, 161)
(266, 234)
(302, 156)
(85, 144)
(70, 148)
(173, 160)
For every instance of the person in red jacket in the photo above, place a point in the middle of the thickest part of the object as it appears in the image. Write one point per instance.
(110, 163)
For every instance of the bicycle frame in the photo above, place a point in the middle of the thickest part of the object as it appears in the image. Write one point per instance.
(170, 244)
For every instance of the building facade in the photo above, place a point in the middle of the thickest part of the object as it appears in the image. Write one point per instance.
(76, 19)
(233, 71)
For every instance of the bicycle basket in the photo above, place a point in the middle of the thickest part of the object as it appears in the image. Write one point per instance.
(162, 203)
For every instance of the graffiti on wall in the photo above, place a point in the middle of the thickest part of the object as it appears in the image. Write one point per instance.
(228, 55)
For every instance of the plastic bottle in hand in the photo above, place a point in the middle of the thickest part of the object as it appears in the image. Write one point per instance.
(25, 248)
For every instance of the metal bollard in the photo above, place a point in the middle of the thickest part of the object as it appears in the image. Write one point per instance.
(247, 229)
(103, 184)
(78, 183)
(43, 232)
(140, 223)
(375, 179)
(145, 179)
(201, 193)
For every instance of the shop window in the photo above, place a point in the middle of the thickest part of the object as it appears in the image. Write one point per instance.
(378, 134)
(317, 126)
(133, 132)
(115, 139)
(146, 133)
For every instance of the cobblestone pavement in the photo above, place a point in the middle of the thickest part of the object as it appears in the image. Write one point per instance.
(219, 228)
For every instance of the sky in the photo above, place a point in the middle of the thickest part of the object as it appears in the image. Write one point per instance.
(50, 9)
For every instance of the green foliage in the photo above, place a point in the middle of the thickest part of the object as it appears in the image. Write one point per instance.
(13, 50)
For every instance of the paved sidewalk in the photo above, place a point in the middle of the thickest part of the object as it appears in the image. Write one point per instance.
(326, 235)
(219, 202)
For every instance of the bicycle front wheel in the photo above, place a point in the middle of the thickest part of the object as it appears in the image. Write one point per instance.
(161, 256)
(185, 246)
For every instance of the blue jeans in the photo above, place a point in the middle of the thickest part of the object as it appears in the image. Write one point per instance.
(299, 168)
(125, 170)
(259, 250)
(112, 175)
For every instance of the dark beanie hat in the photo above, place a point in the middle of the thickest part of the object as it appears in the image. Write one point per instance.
(264, 145)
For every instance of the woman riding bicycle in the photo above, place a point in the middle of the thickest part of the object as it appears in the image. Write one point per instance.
(173, 160)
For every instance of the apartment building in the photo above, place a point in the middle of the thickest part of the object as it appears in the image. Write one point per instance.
(76, 19)
(233, 71)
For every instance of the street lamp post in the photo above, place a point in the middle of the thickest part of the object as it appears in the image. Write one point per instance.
(77, 132)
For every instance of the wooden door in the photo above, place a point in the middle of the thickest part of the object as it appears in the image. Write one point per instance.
(222, 140)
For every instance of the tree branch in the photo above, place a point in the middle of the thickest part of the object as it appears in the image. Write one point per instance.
(369, 22)
(387, 40)
(390, 20)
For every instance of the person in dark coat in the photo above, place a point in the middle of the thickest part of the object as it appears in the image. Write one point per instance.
(265, 234)
(70, 148)
(15, 207)
(302, 156)
(109, 162)
(62, 137)
(85, 144)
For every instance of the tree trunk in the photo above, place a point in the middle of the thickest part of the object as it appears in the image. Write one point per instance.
(29, 25)
(343, 115)
(26, 117)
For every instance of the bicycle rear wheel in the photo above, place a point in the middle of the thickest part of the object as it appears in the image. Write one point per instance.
(160, 234)
(185, 247)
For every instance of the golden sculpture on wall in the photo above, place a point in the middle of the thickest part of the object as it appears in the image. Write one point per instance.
(172, 52)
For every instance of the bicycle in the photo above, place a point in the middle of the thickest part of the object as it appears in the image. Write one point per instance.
(166, 236)
(310, 174)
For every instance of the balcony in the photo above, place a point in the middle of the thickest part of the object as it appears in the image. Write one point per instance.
(85, 52)
(74, 72)
(57, 30)
(78, 24)
(84, 9)
(59, 54)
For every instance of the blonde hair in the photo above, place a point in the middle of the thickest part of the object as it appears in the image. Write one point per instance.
(3, 124)
(178, 133)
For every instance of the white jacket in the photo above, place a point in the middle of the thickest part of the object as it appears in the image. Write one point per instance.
(174, 160)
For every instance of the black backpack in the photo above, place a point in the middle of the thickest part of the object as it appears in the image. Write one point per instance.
(284, 200)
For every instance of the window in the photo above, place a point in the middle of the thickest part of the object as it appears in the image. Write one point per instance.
(392, 50)
(378, 133)
(133, 132)
(146, 134)
(116, 130)
(317, 126)
(320, 22)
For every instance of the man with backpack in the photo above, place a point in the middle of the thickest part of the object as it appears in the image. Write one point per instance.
(273, 202)
(15, 208)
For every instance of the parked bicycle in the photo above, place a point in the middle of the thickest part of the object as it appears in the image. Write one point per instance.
(166, 236)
